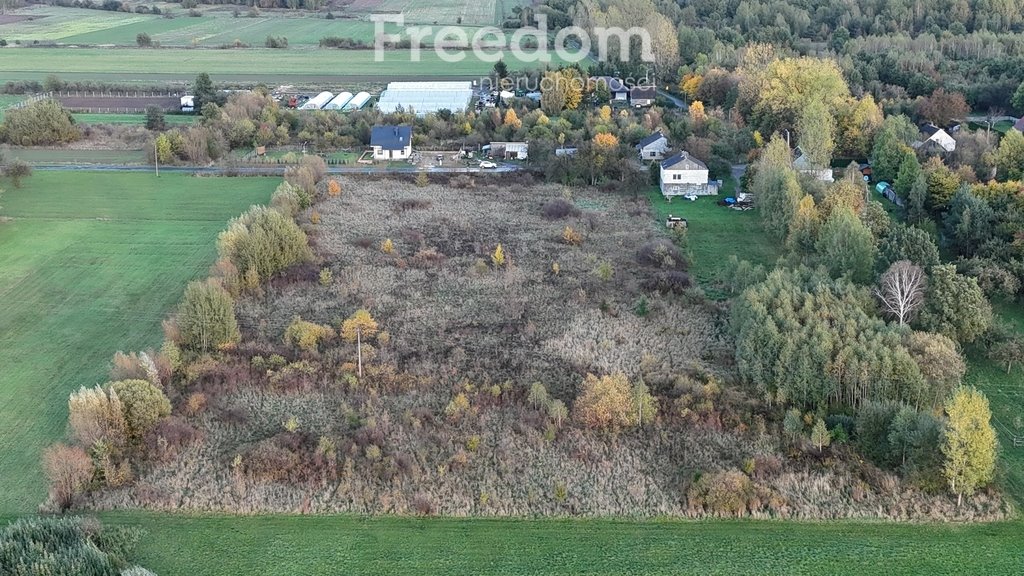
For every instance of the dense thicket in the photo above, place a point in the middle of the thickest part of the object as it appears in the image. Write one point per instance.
(51, 546)
(809, 340)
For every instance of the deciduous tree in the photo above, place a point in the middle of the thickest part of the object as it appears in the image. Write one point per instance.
(970, 447)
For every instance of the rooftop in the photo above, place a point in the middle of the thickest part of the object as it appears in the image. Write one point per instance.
(391, 137)
(683, 161)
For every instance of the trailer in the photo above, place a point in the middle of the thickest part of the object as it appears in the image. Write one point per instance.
(317, 102)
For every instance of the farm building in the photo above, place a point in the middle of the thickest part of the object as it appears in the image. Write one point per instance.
(653, 147)
(339, 101)
(616, 88)
(358, 101)
(317, 102)
(803, 165)
(642, 95)
(391, 142)
(426, 97)
(684, 175)
(188, 104)
(935, 139)
(509, 150)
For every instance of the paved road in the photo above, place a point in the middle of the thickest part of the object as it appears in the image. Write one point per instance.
(679, 103)
(275, 170)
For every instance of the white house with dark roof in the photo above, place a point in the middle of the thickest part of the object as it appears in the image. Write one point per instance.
(391, 142)
(653, 147)
(684, 175)
(935, 137)
(640, 96)
(616, 89)
(803, 165)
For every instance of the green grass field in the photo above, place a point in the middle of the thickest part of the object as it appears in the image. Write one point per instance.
(90, 264)
(217, 25)
(715, 233)
(69, 156)
(328, 545)
(263, 64)
(137, 119)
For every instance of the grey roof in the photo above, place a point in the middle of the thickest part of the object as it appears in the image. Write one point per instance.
(391, 137)
(650, 139)
(683, 161)
(614, 84)
(930, 129)
(643, 92)
(1019, 126)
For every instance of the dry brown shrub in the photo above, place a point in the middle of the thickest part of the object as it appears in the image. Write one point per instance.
(195, 404)
(68, 469)
(725, 493)
(558, 209)
(406, 204)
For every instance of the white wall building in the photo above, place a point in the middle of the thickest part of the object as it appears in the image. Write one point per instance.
(684, 175)
(391, 142)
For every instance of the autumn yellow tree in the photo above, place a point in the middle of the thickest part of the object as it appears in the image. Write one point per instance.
(610, 402)
(359, 326)
(498, 257)
(605, 114)
(333, 188)
(697, 114)
(690, 84)
(512, 119)
(804, 227)
(970, 446)
(605, 141)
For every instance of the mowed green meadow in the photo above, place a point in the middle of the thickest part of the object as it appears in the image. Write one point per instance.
(329, 545)
(254, 65)
(90, 263)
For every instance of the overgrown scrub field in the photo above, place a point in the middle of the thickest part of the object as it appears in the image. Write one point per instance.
(256, 64)
(90, 264)
(326, 545)
(454, 410)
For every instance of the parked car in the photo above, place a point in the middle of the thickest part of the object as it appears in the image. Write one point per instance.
(488, 164)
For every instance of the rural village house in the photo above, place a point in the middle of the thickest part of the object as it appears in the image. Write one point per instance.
(803, 165)
(391, 142)
(653, 147)
(684, 175)
(618, 90)
(642, 95)
(935, 138)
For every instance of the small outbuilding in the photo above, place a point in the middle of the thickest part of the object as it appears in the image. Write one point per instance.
(653, 147)
(684, 175)
(889, 193)
(391, 142)
(510, 150)
(188, 104)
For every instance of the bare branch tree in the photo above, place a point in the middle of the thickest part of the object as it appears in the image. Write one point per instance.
(901, 290)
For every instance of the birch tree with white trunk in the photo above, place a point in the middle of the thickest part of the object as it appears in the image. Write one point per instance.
(901, 290)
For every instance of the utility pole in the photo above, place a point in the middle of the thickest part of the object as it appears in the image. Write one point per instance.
(156, 156)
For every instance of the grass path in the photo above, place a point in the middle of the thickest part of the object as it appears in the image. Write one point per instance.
(89, 264)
